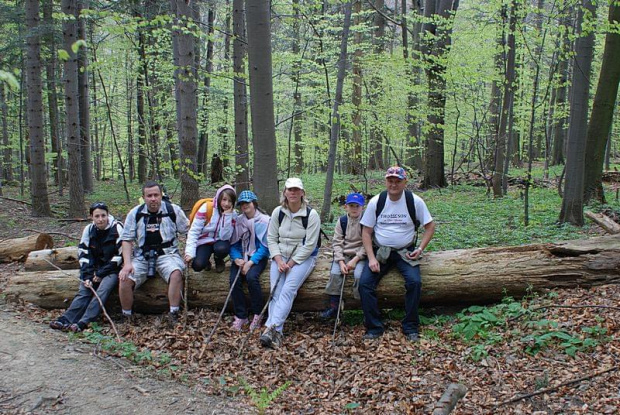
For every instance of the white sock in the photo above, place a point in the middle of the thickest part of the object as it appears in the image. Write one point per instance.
(127, 312)
(174, 309)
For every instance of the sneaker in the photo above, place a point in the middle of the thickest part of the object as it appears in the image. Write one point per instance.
(413, 337)
(219, 266)
(77, 327)
(238, 324)
(329, 313)
(59, 325)
(256, 322)
(371, 336)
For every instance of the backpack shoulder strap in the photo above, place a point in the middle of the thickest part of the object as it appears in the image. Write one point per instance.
(381, 203)
(304, 219)
(139, 213)
(411, 208)
(280, 217)
(344, 220)
(171, 213)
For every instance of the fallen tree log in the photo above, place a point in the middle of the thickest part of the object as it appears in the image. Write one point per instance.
(18, 249)
(456, 277)
(52, 259)
(603, 221)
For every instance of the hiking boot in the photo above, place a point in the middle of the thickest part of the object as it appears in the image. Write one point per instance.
(256, 322)
(413, 337)
(372, 336)
(238, 324)
(127, 319)
(329, 313)
(219, 265)
(59, 325)
(173, 318)
(276, 339)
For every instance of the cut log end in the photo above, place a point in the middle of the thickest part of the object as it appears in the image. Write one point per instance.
(18, 249)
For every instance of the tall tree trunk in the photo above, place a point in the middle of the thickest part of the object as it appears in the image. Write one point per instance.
(355, 151)
(72, 116)
(572, 203)
(600, 124)
(223, 128)
(84, 101)
(130, 136)
(141, 97)
(40, 202)
(375, 138)
(296, 78)
(184, 46)
(440, 15)
(335, 117)
(242, 151)
(7, 167)
(413, 74)
(261, 103)
(204, 113)
(52, 95)
(560, 130)
(503, 133)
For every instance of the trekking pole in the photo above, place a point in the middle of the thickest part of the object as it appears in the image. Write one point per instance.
(185, 290)
(262, 313)
(344, 277)
(103, 310)
(232, 287)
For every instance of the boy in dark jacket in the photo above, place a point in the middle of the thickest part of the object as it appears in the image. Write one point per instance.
(100, 260)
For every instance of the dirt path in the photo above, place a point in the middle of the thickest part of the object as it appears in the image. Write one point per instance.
(43, 372)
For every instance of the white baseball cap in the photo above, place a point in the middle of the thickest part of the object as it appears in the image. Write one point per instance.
(293, 182)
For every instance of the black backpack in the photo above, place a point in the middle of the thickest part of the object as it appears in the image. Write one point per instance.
(304, 222)
(410, 206)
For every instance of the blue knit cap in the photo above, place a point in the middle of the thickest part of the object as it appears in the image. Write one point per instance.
(247, 196)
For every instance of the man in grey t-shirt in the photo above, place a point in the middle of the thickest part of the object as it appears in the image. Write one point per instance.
(389, 239)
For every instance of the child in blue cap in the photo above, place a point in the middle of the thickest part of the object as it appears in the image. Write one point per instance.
(249, 255)
(349, 253)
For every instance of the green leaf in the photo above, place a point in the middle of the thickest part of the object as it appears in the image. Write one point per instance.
(76, 46)
(63, 55)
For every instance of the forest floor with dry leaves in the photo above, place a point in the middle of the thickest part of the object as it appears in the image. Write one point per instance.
(544, 354)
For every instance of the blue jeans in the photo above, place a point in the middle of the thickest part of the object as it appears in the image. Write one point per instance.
(254, 289)
(368, 293)
(203, 254)
(85, 308)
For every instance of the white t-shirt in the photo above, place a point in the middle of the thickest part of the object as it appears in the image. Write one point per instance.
(394, 227)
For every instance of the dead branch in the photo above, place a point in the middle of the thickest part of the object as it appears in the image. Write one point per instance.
(453, 394)
(16, 200)
(353, 373)
(576, 306)
(554, 388)
(53, 233)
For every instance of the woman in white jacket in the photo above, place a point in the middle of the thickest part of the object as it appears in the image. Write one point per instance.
(211, 236)
(292, 237)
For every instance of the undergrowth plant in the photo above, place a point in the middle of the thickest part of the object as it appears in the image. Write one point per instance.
(484, 327)
(127, 350)
(263, 398)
